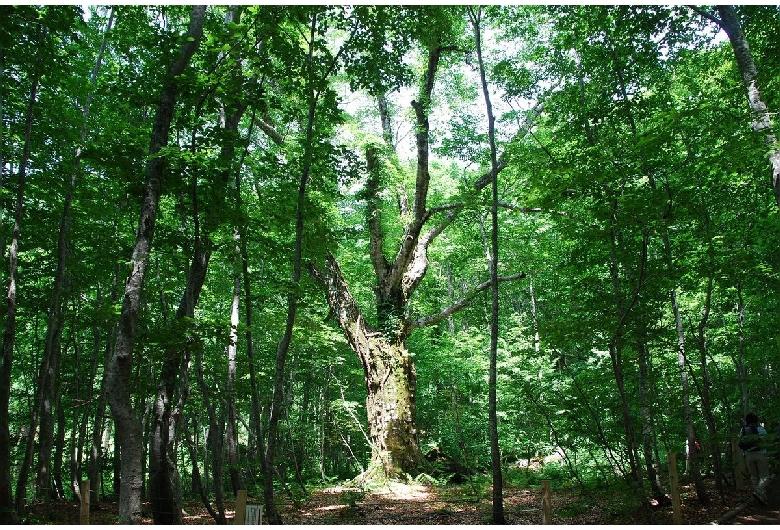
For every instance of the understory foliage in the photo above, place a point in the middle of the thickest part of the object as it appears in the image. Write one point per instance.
(634, 194)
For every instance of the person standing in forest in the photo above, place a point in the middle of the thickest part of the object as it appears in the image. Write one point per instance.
(750, 441)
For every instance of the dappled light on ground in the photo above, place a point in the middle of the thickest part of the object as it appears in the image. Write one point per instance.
(405, 504)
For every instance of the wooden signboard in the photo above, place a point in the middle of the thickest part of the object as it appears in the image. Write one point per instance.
(254, 514)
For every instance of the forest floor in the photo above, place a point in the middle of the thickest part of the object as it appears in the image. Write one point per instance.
(401, 504)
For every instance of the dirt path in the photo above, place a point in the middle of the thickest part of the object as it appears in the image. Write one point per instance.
(754, 512)
(401, 504)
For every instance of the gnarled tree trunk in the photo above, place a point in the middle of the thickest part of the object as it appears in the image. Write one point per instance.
(389, 370)
(390, 380)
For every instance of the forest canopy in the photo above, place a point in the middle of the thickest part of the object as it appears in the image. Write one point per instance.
(266, 247)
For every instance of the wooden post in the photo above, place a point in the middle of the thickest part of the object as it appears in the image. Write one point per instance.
(674, 488)
(84, 514)
(546, 503)
(739, 464)
(240, 508)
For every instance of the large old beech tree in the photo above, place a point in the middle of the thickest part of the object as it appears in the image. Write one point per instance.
(388, 367)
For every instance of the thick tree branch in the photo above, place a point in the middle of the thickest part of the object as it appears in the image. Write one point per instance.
(387, 126)
(460, 304)
(419, 264)
(423, 128)
(487, 178)
(454, 208)
(270, 131)
(525, 209)
(403, 200)
(451, 208)
(406, 250)
(762, 121)
(344, 307)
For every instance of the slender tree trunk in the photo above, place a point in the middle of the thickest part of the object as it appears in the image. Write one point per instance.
(384, 116)
(8, 513)
(49, 376)
(740, 360)
(57, 465)
(76, 437)
(42, 410)
(647, 419)
(116, 465)
(99, 427)
(256, 450)
(706, 401)
(96, 448)
(214, 441)
(3, 154)
(231, 434)
(495, 450)
(292, 298)
(49, 384)
(257, 447)
(129, 429)
(81, 414)
(164, 478)
(623, 310)
(693, 459)
(197, 479)
(534, 318)
(164, 481)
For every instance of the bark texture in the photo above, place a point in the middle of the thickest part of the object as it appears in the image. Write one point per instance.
(390, 378)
